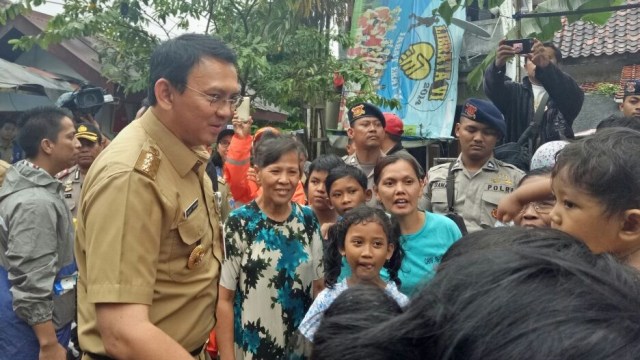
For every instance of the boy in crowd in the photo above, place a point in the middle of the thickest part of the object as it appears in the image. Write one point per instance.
(316, 187)
(630, 106)
(596, 183)
(347, 188)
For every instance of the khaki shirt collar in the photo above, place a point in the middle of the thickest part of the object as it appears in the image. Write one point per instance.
(490, 165)
(181, 157)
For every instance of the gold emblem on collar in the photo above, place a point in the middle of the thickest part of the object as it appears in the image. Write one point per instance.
(196, 257)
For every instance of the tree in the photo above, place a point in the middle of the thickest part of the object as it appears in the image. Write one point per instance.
(283, 46)
(542, 28)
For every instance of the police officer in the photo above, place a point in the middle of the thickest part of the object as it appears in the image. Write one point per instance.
(148, 242)
(630, 106)
(366, 128)
(480, 180)
(90, 140)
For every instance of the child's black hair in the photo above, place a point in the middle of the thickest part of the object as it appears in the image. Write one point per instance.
(323, 163)
(464, 312)
(619, 121)
(606, 166)
(344, 171)
(338, 232)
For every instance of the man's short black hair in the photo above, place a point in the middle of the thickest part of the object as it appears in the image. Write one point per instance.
(173, 59)
(37, 124)
(556, 52)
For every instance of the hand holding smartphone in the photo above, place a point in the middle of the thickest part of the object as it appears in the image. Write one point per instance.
(243, 109)
(520, 46)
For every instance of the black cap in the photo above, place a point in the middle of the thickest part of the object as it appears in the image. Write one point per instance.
(223, 133)
(361, 110)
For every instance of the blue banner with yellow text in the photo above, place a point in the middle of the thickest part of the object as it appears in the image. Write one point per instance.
(413, 57)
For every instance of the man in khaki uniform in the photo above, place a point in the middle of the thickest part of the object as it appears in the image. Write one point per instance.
(366, 128)
(72, 178)
(480, 180)
(148, 242)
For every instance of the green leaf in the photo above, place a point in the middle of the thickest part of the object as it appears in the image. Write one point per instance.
(529, 27)
(446, 11)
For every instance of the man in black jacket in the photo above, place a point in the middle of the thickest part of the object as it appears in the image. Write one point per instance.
(518, 101)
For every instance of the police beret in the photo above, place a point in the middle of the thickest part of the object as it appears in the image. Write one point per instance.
(361, 110)
(485, 112)
(632, 87)
(89, 132)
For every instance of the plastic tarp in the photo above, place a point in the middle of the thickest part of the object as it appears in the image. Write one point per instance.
(22, 89)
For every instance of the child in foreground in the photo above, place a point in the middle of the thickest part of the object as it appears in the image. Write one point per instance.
(368, 240)
(596, 183)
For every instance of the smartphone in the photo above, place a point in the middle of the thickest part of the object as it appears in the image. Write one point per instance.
(243, 109)
(521, 46)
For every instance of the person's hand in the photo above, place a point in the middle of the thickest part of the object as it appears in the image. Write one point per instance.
(53, 352)
(539, 55)
(508, 208)
(324, 230)
(503, 54)
(242, 128)
(253, 175)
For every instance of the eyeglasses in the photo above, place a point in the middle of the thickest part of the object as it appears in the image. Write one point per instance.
(541, 207)
(234, 101)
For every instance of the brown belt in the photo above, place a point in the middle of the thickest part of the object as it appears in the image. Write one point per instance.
(93, 356)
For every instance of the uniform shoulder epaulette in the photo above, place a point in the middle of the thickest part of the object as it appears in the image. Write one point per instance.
(506, 164)
(440, 166)
(64, 173)
(148, 161)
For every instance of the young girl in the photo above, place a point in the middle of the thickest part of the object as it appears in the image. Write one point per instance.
(368, 240)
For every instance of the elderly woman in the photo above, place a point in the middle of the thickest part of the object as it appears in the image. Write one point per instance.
(273, 261)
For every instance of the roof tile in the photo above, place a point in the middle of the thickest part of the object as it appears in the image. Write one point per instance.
(621, 34)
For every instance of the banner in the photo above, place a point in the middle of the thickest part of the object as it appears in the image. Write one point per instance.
(413, 57)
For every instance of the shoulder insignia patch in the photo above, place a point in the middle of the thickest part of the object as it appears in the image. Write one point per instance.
(63, 173)
(148, 162)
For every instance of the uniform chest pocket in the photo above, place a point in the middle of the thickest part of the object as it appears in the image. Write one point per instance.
(192, 239)
(439, 200)
(490, 200)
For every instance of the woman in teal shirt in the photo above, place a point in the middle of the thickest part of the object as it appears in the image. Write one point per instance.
(399, 180)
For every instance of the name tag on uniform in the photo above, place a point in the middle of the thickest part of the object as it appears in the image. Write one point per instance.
(191, 208)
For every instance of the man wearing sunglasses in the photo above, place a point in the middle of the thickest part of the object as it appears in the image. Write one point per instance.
(148, 241)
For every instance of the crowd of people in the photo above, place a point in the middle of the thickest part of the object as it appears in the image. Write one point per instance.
(188, 238)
